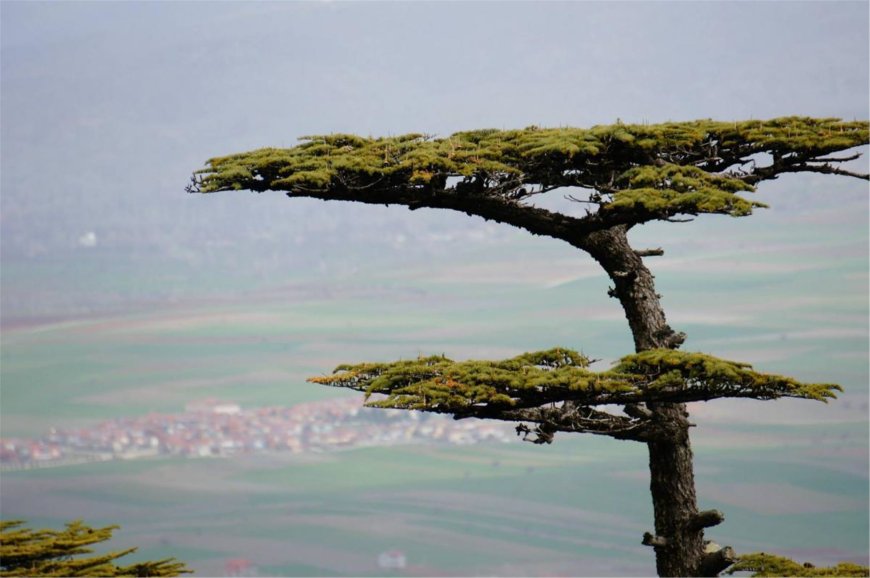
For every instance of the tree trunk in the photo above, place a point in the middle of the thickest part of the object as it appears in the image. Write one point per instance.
(678, 540)
(672, 484)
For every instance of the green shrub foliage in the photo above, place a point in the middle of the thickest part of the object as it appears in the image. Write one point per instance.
(440, 384)
(762, 564)
(27, 552)
(646, 171)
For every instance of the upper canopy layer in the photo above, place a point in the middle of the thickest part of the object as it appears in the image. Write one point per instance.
(636, 172)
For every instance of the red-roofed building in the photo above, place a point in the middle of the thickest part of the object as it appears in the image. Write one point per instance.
(239, 567)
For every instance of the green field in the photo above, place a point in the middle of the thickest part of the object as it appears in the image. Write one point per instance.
(791, 476)
(483, 509)
(259, 353)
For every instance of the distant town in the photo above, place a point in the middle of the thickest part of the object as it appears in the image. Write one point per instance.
(214, 428)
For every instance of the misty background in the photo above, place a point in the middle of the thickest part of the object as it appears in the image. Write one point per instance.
(107, 109)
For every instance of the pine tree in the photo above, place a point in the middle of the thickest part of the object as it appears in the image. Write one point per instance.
(27, 552)
(630, 175)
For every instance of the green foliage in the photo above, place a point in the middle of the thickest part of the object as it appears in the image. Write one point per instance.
(440, 384)
(762, 564)
(649, 171)
(681, 189)
(26, 552)
(674, 370)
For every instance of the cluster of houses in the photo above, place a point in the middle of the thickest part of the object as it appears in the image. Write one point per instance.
(218, 428)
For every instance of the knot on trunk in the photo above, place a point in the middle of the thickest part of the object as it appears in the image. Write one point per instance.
(654, 541)
(669, 338)
(638, 411)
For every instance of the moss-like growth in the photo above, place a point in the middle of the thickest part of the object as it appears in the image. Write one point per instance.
(762, 564)
(443, 385)
(671, 188)
(440, 384)
(712, 377)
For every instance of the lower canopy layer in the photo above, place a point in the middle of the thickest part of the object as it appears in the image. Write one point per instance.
(467, 388)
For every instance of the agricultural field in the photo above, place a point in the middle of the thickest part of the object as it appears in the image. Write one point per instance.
(497, 510)
(780, 471)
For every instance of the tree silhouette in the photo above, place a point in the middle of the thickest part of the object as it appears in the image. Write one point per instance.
(626, 175)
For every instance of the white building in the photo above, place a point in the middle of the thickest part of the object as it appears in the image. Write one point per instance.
(392, 560)
(212, 405)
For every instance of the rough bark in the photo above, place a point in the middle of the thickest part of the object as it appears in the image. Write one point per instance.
(672, 485)
(679, 537)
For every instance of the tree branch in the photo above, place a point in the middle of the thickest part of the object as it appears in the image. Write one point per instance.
(829, 169)
(853, 157)
(798, 163)
(773, 171)
(535, 220)
(657, 252)
(567, 418)
(654, 541)
(706, 519)
(713, 563)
